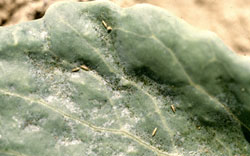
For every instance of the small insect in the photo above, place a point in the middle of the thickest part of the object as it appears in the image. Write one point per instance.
(109, 28)
(154, 132)
(198, 127)
(173, 108)
(104, 24)
(76, 69)
(84, 67)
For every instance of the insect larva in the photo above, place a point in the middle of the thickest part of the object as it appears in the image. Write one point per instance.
(76, 69)
(104, 24)
(154, 132)
(109, 28)
(84, 67)
(173, 108)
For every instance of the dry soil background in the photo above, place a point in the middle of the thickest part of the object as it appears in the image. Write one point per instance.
(230, 19)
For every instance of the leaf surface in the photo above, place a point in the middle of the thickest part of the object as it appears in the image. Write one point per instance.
(150, 62)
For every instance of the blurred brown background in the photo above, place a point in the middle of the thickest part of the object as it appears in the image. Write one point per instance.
(230, 19)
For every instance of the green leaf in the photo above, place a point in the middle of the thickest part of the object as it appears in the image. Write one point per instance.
(147, 64)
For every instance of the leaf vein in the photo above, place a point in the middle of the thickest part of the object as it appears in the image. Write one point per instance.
(87, 124)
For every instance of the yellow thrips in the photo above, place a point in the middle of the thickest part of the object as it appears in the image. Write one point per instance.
(154, 132)
(104, 24)
(84, 67)
(76, 69)
(173, 108)
(109, 28)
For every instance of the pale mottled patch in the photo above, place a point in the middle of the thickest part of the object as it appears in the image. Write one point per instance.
(17, 123)
(32, 128)
(131, 149)
(68, 142)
